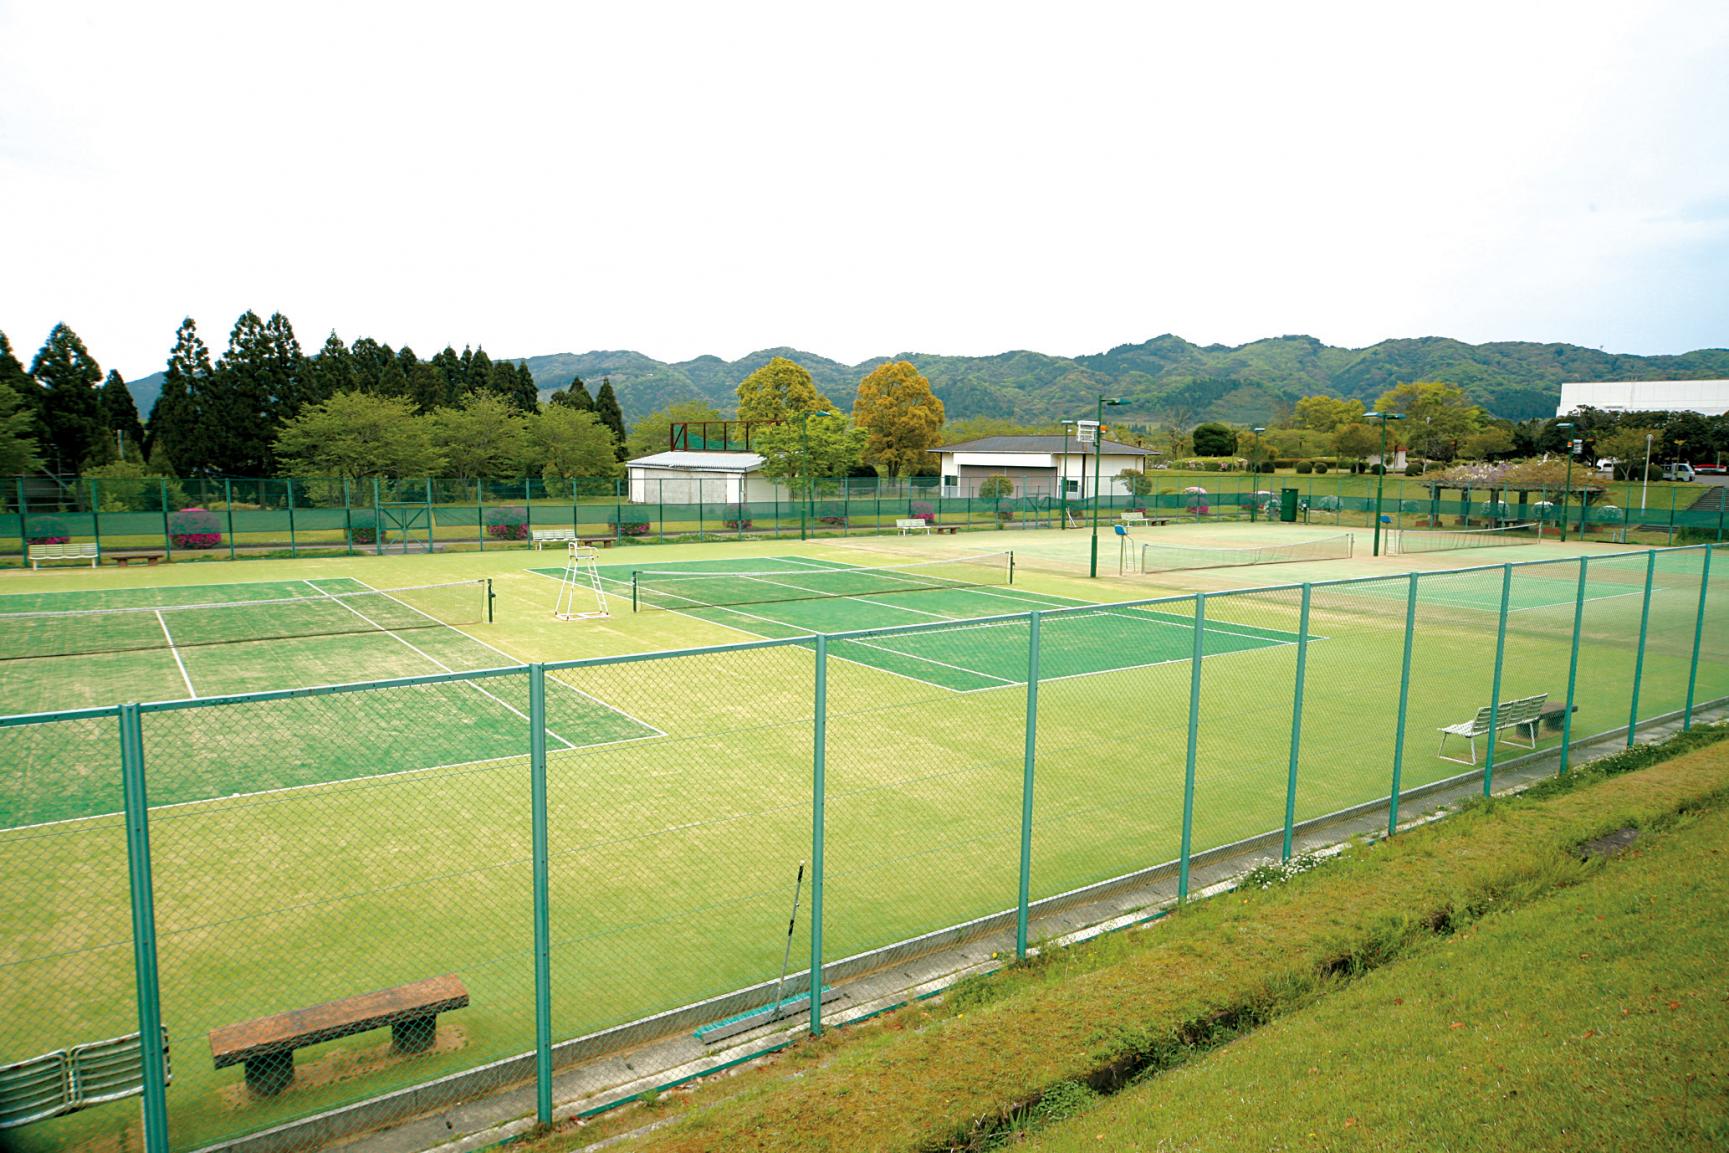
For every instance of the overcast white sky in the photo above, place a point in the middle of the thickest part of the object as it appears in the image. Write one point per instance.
(864, 179)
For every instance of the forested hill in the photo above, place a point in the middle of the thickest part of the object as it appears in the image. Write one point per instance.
(1166, 379)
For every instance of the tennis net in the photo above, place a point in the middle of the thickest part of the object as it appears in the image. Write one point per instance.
(669, 589)
(1445, 540)
(1170, 558)
(317, 612)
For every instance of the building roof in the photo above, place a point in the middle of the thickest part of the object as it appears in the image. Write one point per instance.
(701, 461)
(1050, 444)
(1709, 397)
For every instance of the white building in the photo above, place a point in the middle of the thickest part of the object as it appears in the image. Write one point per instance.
(700, 477)
(1036, 464)
(1706, 397)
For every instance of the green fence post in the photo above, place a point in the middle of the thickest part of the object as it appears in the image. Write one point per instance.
(1404, 705)
(1671, 538)
(1698, 635)
(528, 508)
(293, 546)
(1639, 655)
(1297, 719)
(1495, 687)
(1722, 508)
(1573, 667)
(95, 498)
(1189, 763)
(348, 514)
(480, 514)
(167, 533)
(1027, 785)
(23, 528)
(149, 990)
(228, 503)
(378, 521)
(819, 745)
(542, 909)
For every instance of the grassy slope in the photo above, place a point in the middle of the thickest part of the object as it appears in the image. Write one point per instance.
(939, 1074)
(1594, 1018)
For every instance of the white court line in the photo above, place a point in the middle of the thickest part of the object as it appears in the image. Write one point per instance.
(655, 729)
(173, 648)
(1018, 596)
(928, 660)
(475, 685)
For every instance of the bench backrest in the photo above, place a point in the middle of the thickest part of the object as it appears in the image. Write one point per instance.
(1516, 712)
(554, 534)
(914, 522)
(61, 551)
(68, 1080)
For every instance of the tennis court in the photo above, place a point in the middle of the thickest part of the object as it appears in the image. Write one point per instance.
(789, 596)
(91, 648)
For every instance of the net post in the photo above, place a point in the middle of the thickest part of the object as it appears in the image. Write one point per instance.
(819, 748)
(1011, 566)
(489, 595)
(1639, 654)
(480, 512)
(1032, 726)
(633, 587)
(1698, 635)
(1297, 719)
(542, 904)
(149, 990)
(1189, 761)
(1404, 706)
(228, 502)
(1495, 687)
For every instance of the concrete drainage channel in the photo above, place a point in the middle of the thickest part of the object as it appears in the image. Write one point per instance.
(493, 1103)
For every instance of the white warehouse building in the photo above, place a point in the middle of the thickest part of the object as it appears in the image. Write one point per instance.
(1706, 397)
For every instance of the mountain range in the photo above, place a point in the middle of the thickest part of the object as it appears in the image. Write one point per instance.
(1163, 380)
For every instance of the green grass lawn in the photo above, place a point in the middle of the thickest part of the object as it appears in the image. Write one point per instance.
(313, 847)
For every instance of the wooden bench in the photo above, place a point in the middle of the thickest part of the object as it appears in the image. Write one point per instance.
(125, 558)
(545, 536)
(906, 525)
(68, 1080)
(88, 550)
(948, 528)
(266, 1045)
(596, 541)
(1522, 713)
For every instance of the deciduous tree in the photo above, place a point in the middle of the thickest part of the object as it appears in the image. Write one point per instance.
(779, 390)
(482, 437)
(1214, 439)
(1438, 416)
(834, 447)
(567, 444)
(354, 434)
(18, 451)
(1325, 413)
(901, 417)
(653, 432)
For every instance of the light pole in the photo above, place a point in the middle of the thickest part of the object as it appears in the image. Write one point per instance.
(1381, 468)
(1098, 463)
(1063, 480)
(1646, 483)
(1254, 497)
(1566, 485)
(804, 508)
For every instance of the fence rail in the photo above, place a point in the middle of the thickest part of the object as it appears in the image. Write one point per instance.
(326, 516)
(606, 847)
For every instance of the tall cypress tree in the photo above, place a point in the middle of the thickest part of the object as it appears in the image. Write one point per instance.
(527, 391)
(369, 359)
(606, 408)
(71, 410)
(575, 396)
(177, 431)
(330, 372)
(455, 373)
(506, 383)
(120, 415)
(15, 379)
(479, 375)
(284, 371)
(239, 407)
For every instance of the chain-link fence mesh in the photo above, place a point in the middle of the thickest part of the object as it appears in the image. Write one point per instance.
(343, 880)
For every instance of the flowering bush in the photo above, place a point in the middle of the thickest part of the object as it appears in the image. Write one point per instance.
(509, 523)
(635, 525)
(921, 510)
(47, 530)
(194, 528)
(737, 517)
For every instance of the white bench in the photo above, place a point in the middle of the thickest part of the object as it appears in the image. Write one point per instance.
(546, 536)
(85, 551)
(1133, 519)
(1522, 713)
(68, 1080)
(913, 524)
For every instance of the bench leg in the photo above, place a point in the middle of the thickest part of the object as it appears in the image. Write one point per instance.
(413, 1034)
(268, 1076)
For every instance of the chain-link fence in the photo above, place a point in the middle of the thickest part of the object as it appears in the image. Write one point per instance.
(145, 518)
(346, 906)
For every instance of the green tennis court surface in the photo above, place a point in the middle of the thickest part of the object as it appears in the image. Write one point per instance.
(211, 640)
(830, 597)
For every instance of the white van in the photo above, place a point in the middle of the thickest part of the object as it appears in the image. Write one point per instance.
(1678, 471)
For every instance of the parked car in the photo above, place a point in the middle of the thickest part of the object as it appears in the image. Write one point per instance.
(1680, 470)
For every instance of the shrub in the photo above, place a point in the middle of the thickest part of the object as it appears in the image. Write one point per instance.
(48, 530)
(737, 517)
(1282, 463)
(507, 523)
(1322, 466)
(362, 528)
(1305, 467)
(1005, 514)
(995, 487)
(1378, 469)
(194, 528)
(1414, 468)
(921, 510)
(629, 523)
